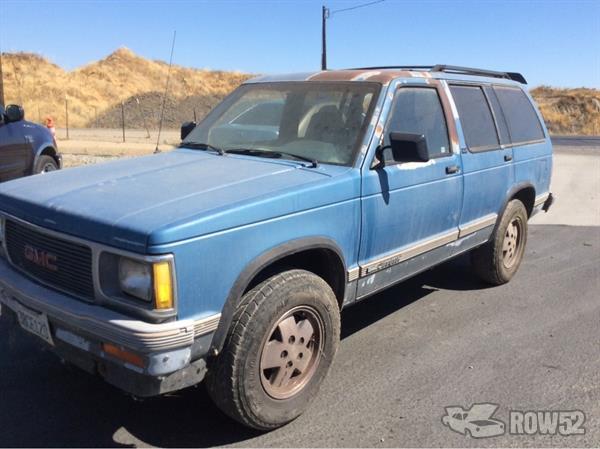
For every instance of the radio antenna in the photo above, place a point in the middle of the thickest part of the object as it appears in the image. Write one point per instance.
(162, 109)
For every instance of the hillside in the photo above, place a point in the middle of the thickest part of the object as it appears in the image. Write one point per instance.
(569, 111)
(41, 86)
(95, 93)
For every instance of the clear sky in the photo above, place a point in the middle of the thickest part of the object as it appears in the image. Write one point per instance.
(551, 42)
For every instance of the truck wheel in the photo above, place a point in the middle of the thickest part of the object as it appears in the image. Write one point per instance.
(498, 260)
(280, 346)
(45, 164)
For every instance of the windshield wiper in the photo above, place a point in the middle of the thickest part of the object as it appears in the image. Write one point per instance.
(202, 146)
(277, 154)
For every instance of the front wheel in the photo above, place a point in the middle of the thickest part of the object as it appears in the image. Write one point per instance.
(498, 260)
(45, 164)
(280, 346)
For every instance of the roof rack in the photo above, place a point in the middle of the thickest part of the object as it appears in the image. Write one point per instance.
(455, 69)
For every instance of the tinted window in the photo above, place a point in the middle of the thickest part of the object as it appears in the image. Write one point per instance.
(475, 117)
(498, 116)
(523, 123)
(419, 111)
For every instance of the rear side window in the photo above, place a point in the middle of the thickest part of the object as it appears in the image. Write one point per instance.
(498, 115)
(475, 118)
(523, 123)
(418, 110)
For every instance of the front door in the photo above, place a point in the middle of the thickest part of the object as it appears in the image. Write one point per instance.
(410, 208)
(15, 152)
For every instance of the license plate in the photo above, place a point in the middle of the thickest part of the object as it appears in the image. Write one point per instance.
(36, 323)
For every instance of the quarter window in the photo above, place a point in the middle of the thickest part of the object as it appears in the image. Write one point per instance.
(523, 123)
(418, 110)
(475, 118)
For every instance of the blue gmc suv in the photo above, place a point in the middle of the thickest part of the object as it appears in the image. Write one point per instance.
(230, 258)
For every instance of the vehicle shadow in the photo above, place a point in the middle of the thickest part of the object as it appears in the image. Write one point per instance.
(45, 403)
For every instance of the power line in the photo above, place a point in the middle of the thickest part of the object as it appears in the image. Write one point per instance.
(355, 7)
(327, 14)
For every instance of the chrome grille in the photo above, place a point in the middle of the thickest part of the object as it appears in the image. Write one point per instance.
(58, 263)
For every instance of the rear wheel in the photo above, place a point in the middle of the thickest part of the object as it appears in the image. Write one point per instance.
(279, 349)
(45, 164)
(498, 260)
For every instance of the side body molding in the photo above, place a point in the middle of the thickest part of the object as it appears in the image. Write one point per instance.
(256, 266)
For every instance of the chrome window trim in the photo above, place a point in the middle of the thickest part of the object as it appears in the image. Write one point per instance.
(522, 144)
(100, 298)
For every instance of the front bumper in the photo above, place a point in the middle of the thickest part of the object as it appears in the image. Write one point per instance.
(170, 352)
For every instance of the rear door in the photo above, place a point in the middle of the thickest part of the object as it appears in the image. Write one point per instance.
(410, 208)
(487, 163)
(15, 152)
(531, 147)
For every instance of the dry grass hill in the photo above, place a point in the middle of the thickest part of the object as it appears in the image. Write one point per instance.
(569, 111)
(95, 92)
(41, 86)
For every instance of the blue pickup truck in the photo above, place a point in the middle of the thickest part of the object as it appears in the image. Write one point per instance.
(230, 258)
(25, 147)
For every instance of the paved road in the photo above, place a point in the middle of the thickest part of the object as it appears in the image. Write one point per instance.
(577, 141)
(440, 339)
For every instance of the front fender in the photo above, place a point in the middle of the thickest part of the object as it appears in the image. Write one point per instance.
(40, 147)
(256, 266)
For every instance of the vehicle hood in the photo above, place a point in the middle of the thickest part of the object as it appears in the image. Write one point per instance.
(138, 203)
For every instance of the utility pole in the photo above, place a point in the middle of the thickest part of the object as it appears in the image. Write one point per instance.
(1, 82)
(137, 100)
(67, 116)
(325, 16)
(123, 119)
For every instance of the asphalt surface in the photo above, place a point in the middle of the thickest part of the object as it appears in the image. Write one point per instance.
(441, 339)
(577, 141)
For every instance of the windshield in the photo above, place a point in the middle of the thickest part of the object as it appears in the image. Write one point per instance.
(316, 121)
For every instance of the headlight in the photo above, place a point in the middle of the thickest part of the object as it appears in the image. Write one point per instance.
(135, 278)
(150, 282)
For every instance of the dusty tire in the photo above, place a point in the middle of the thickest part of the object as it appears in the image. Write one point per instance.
(498, 260)
(45, 164)
(239, 381)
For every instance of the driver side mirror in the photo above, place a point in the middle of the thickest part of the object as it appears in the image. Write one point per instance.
(403, 147)
(14, 113)
(186, 128)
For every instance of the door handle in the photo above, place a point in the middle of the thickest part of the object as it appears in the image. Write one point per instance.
(451, 169)
(507, 158)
